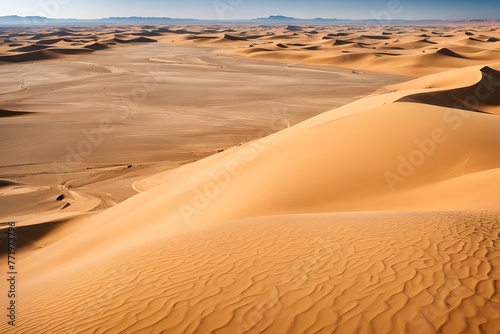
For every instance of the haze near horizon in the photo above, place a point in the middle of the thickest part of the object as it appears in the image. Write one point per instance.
(241, 9)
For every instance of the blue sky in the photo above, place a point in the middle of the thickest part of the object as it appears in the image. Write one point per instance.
(244, 9)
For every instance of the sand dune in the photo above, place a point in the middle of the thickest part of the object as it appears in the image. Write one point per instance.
(30, 48)
(449, 53)
(483, 96)
(135, 40)
(341, 42)
(71, 51)
(355, 47)
(96, 46)
(305, 274)
(234, 38)
(49, 41)
(29, 56)
(378, 216)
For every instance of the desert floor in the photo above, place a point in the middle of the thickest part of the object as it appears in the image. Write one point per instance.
(252, 179)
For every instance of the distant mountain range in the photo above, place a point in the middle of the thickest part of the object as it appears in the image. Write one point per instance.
(14, 20)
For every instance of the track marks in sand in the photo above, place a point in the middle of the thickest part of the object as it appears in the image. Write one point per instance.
(332, 273)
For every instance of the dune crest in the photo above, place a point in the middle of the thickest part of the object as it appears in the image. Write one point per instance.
(483, 96)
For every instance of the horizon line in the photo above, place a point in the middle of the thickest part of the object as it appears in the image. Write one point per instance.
(248, 19)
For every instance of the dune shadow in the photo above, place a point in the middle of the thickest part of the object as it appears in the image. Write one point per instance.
(11, 113)
(6, 183)
(476, 98)
(27, 236)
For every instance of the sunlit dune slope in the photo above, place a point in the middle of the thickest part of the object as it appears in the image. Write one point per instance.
(317, 273)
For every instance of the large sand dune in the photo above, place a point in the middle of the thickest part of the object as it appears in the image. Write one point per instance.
(380, 216)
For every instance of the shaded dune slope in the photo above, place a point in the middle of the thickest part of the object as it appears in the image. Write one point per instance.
(29, 56)
(483, 96)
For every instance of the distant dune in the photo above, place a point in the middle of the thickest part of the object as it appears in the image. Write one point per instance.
(396, 49)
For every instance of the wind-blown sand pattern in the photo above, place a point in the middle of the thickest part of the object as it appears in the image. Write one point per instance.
(349, 273)
(378, 216)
